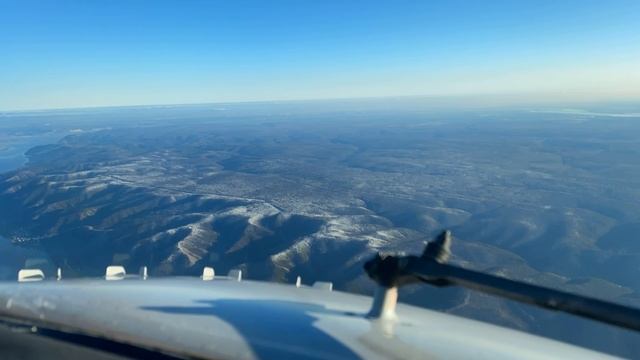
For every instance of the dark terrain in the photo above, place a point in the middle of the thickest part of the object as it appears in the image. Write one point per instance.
(549, 198)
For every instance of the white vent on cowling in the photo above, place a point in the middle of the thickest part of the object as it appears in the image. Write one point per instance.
(115, 272)
(25, 275)
(208, 273)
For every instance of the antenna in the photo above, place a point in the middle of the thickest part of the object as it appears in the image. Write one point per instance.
(144, 274)
(393, 271)
(384, 303)
(323, 285)
(235, 274)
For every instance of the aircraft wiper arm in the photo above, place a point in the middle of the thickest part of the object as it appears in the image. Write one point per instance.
(391, 271)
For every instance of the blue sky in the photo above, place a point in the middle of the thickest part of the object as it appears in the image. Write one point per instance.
(97, 53)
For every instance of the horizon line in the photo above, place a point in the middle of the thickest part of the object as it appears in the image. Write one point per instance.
(497, 96)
